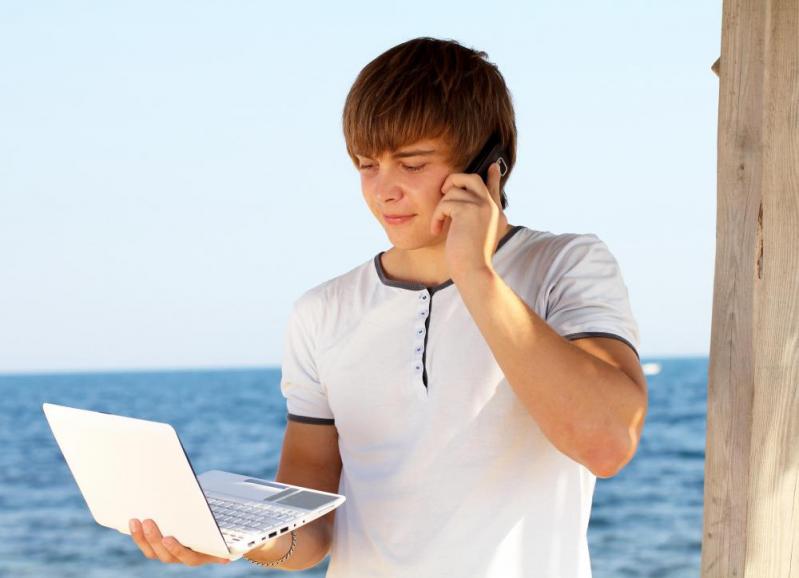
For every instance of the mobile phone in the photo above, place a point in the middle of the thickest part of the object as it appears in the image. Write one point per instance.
(491, 152)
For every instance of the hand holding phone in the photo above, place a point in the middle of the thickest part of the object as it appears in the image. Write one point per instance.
(491, 152)
(471, 220)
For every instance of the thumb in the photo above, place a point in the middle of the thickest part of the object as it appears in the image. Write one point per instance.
(494, 178)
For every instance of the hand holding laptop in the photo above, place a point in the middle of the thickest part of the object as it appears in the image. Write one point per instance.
(153, 545)
(130, 469)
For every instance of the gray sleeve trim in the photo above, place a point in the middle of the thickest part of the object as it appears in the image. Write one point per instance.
(313, 420)
(574, 336)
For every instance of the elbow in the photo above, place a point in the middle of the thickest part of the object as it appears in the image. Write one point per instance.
(617, 451)
(607, 470)
(612, 459)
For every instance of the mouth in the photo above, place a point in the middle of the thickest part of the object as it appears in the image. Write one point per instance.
(397, 219)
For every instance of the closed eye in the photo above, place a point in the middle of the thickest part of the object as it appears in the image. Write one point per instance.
(409, 168)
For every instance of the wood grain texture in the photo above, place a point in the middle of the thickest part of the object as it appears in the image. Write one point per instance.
(751, 516)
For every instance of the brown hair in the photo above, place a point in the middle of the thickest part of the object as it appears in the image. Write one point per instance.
(430, 88)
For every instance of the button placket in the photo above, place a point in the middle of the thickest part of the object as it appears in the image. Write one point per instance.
(419, 341)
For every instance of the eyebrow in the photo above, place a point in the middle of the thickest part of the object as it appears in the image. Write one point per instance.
(411, 153)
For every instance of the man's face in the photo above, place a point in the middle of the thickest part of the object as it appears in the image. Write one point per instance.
(407, 183)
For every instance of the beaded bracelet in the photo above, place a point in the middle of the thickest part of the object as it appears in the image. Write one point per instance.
(285, 557)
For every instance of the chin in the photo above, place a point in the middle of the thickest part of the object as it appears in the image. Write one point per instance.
(409, 241)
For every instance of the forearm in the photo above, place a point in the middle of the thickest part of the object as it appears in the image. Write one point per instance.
(582, 404)
(313, 544)
(309, 459)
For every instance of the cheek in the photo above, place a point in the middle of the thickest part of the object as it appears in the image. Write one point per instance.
(368, 197)
(431, 201)
(432, 195)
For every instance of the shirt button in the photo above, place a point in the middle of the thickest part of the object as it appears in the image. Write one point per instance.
(418, 367)
(419, 349)
(420, 331)
(422, 313)
(423, 296)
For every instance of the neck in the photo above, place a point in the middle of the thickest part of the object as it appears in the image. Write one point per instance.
(426, 265)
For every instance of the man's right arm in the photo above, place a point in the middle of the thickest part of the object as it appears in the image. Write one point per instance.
(309, 458)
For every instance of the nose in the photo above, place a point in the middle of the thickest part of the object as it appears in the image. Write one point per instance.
(387, 194)
(387, 188)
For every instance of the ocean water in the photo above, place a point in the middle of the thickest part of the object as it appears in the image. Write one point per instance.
(645, 522)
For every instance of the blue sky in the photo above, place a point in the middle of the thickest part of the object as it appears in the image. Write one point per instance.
(173, 174)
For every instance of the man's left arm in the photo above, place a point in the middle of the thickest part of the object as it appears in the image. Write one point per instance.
(588, 396)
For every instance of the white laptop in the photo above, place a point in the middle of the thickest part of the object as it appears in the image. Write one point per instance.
(134, 468)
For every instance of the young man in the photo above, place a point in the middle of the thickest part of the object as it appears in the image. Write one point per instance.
(464, 388)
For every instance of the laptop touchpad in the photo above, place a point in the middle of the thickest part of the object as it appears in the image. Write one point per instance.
(306, 500)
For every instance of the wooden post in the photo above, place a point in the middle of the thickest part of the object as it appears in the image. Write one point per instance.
(751, 515)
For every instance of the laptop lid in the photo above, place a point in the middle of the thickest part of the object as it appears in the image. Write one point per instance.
(134, 468)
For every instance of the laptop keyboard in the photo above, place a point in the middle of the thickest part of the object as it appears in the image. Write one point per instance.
(239, 518)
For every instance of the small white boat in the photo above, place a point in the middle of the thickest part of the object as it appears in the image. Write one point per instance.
(651, 368)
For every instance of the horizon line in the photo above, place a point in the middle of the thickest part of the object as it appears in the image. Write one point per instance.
(222, 368)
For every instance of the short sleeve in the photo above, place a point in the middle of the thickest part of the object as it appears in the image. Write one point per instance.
(587, 295)
(306, 397)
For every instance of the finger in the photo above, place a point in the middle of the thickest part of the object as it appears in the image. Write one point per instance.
(137, 533)
(188, 556)
(441, 213)
(448, 208)
(471, 181)
(459, 194)
(494, 178)
(154, 537)
(437, 222)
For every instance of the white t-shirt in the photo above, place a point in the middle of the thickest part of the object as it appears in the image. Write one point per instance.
(445, 472)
